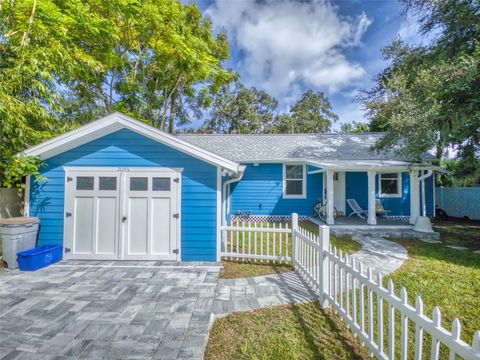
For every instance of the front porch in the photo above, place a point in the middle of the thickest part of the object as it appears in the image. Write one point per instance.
(354, 222)
(380, 195)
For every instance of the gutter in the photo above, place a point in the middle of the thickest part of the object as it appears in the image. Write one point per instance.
(422, 179)
(241, 171)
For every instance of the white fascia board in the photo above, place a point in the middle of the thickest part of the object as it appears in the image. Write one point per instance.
(115, 122)
(380, 166)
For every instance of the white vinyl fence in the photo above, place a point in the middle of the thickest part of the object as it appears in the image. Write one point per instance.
(257, 241)
(379, 318)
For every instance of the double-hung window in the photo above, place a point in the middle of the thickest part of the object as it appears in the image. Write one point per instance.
(294, 181)
(390, 184)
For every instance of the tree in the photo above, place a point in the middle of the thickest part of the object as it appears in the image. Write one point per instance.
(63, 63)
(311, 114)
(354, 128)
(428, 97)
(240, 110)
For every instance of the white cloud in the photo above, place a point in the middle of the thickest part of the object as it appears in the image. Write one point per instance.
(410, 28)
(286, 42)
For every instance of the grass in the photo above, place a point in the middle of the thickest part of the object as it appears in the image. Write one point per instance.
(442, 276)
(241, 269)
(247, 268)
(445, 277)
(302, 331)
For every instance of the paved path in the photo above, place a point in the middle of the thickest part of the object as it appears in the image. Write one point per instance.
(141, 310)
(130, 311)
(285, 288)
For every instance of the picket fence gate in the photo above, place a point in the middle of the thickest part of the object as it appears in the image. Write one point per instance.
(357, 296)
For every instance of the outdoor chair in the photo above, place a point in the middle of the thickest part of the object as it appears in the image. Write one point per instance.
(357, 210)
(379, 209)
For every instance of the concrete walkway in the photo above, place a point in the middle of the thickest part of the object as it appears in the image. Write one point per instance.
(286, 288)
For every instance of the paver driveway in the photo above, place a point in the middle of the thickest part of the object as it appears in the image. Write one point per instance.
(116, 312)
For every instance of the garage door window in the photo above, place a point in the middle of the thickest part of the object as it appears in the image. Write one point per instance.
(84, 182)
(138, 184)
(107, 183)
(161, 184)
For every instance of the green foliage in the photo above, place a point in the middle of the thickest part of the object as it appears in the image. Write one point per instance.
(14, 168)
(311, 114)
(65, 63)
(462, 172)
(354, 128)
(239, 110)
(428, 96)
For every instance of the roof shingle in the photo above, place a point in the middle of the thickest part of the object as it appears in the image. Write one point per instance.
(289, 147)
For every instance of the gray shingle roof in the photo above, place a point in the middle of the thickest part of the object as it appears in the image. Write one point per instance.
(283, 147)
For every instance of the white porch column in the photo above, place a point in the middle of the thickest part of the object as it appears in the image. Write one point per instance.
(372, 218)
(329, 177)
(414, 196)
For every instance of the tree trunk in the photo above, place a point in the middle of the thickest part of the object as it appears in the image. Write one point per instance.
(171, 121)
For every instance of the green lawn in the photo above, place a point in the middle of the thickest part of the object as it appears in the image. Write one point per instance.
(445, 277)
(442, 276)
(247, 268)
(301, 331)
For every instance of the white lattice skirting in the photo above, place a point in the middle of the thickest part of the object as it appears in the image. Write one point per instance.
(398, 217)
(262, 218)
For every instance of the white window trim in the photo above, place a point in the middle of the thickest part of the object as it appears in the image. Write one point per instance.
(399, 186)
(304, 182)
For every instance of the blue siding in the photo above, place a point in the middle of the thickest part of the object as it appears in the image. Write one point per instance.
(261, 191)
(127, 148)
(357, 184)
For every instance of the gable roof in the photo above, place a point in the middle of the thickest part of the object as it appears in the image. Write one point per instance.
(293, 147)
(118, 121)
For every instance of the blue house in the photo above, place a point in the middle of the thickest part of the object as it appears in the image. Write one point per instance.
(119, 189)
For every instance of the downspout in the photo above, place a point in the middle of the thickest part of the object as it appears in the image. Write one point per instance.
(241, 171)
(422, 179)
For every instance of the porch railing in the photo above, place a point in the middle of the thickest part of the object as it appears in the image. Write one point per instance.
(385, 323)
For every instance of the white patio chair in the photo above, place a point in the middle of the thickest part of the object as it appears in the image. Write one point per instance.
(357, 210)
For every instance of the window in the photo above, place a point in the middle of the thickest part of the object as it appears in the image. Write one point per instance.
(390, 185)
(294, 181)
(107, 183)
(160, 184)
(138, 184)
(85, 182)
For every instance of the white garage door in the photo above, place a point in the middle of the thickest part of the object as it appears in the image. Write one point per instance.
(131, 214)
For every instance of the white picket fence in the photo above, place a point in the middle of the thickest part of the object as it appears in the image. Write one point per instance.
(373, 313)
(257, 241)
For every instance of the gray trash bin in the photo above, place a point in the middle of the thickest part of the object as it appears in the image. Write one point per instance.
(17, 234)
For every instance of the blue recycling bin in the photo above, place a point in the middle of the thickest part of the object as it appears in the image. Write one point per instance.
(39, 257)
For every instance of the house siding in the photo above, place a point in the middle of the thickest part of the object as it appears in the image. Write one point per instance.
(356, 188)
(126, 148)
(261, 192)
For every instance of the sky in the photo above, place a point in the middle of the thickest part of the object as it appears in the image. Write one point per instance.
(286, 47)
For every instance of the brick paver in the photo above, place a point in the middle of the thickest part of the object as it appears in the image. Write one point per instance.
(114, 312)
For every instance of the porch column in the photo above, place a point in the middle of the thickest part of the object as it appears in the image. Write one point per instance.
(414, 197)
(372, 218)
(329, 177)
